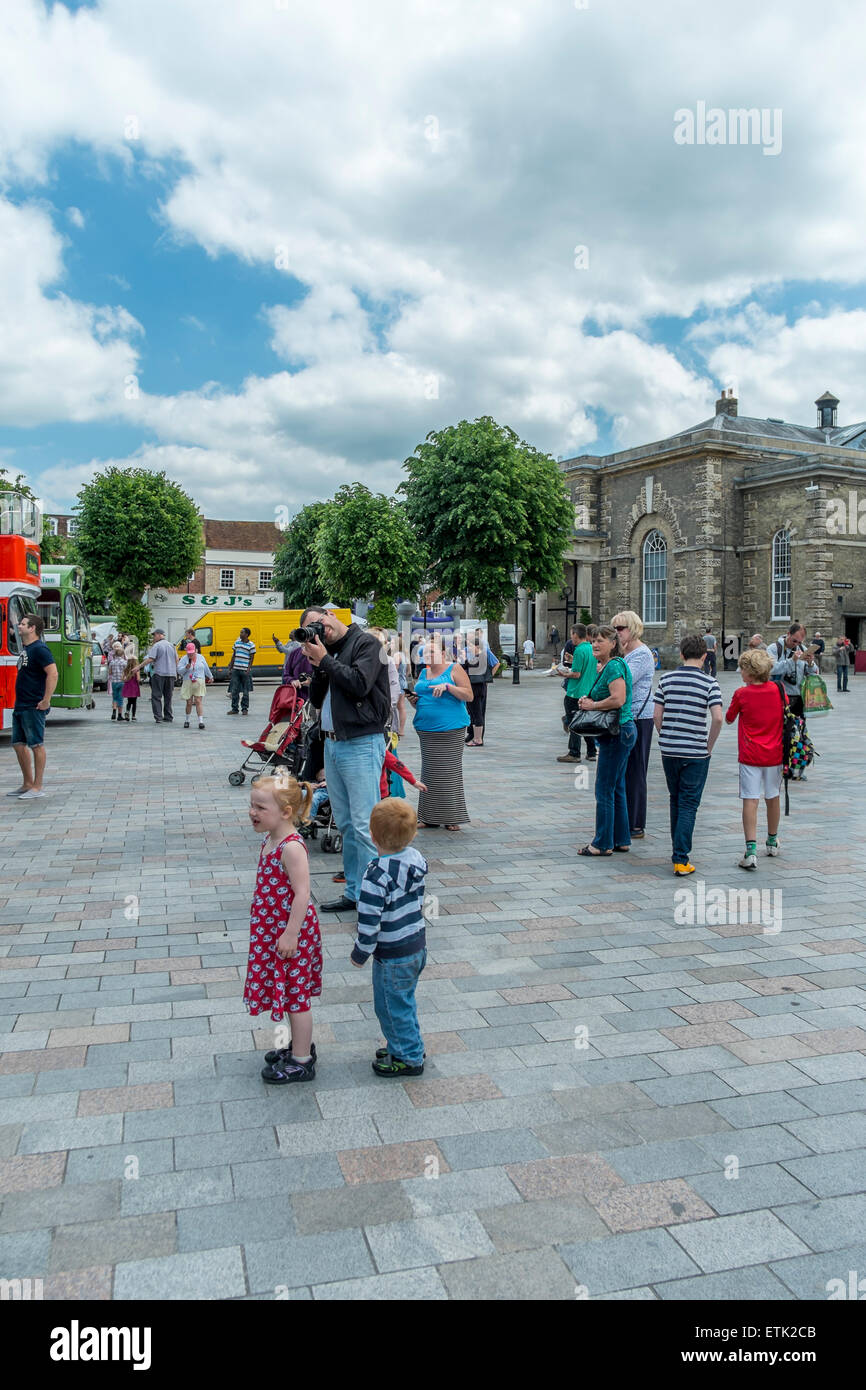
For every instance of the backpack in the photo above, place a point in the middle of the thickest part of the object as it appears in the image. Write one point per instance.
(798, 750)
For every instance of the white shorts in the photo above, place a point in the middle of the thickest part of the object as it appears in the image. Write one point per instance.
(757, 782)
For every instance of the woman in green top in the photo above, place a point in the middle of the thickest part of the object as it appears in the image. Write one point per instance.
(612, 690)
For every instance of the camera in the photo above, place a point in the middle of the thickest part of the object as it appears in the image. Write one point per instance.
(309, 633)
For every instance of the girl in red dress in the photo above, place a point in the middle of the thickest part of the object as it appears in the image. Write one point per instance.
(285, 966)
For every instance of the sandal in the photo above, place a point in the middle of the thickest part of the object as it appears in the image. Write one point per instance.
(594, 854)
(621, 849)
(452, 827)
(426, 825)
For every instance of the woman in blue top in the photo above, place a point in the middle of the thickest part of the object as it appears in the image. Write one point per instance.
(442, 692)
(612, 690)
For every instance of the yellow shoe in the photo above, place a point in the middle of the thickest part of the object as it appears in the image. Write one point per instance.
(682, 869)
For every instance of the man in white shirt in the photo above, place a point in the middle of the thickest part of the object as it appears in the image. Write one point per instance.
(528, 653)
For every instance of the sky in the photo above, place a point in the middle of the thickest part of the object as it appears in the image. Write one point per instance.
(267, 247)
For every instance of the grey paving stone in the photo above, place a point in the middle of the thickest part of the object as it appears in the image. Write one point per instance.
(59, 1206)
(826, 1276)
(279, 1177)
(490, 1147)
(681, 1090)
(25, 1254)
(677, 1122)
(482, 1038)
(361, 1204)
(51, 1135)
(203, 1275)
(828, 1223)
(763, 1144)
(728, 1241)
(525, 1275)
(832, 1098)
(25, 1109)
(772, 1076)
(769, 1107)
(754, 1282)
(551, 1221)
(461, 1191)
(247, 1220)
(830, 1175)
(626, 1261)
(408, 1286)
(843, 1066)
(676, 1158)
(172, 1121)
(318, 1259)
(106, 1242)
(830, 1133)
(430, 1239)
(81, 1079)
(113, 1161)
(214, 1150)
(761, 1185)
(197, 1187)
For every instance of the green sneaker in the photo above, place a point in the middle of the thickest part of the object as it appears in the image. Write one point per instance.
(394, 1067)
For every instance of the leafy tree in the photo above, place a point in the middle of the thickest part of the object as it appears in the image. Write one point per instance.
(383, 613)
(366, 544)
(485, 501)
(136, 529)
(52, 549)
(295, 568)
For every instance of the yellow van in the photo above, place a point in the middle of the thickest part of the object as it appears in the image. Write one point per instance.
(217, 632)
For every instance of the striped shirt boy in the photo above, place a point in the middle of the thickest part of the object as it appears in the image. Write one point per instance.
(390, 907)
(685, 696)
(244, 653)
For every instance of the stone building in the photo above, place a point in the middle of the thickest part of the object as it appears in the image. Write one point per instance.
(238, 558)
(739, 522)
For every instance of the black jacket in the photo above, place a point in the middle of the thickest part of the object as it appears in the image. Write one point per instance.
(357, 677)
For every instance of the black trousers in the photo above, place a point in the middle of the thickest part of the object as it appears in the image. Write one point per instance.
(478, 706)
(161, 688)
(571, 708)
(635, 775)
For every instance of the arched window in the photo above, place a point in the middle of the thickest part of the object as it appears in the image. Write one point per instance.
(781, 576)
(655, 579)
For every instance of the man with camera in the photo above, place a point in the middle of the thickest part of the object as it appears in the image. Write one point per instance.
(351, 689)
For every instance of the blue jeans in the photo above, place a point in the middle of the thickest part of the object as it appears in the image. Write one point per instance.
(394, 983)
(28, 726)
(685, 778)
(353, 768)
(240, 683)
(117, 693)
(842, 677)
(611, 809)
(320, 794)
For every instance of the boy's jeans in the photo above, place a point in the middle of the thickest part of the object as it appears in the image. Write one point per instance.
(240, 684)
(353, 767)
(394, 983)
(685, 778)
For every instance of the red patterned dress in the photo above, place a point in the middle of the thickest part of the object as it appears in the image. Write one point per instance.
(283, 986)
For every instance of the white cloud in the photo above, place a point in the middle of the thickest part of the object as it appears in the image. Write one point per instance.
(75, 216)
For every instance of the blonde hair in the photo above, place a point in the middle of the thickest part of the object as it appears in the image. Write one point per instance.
(393, 824)
(129, 668)
(756, 664)
(632, 621)
(292, 797)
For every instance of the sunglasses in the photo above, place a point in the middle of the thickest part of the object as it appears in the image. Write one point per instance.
(620, 627)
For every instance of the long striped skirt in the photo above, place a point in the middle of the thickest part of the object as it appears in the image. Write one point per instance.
(442, 772)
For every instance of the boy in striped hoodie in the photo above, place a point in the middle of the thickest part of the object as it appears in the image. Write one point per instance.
(391, 930)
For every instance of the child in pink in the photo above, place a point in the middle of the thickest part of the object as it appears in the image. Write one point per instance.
(285, 965)
(131, 690)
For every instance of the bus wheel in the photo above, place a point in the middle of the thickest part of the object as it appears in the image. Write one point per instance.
(236, 778)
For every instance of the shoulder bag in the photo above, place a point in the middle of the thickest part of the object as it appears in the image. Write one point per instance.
(593, 723)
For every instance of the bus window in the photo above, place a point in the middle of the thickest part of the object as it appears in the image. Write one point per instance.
(16, 613)
(82, 620)
(49, 610)
(70, 625)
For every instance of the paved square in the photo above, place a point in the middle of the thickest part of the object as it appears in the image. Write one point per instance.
(624, 1092)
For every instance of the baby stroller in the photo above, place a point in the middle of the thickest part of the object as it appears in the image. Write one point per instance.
(279, 743)
(313, 761)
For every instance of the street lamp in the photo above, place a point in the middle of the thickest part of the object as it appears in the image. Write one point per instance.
(516, 576)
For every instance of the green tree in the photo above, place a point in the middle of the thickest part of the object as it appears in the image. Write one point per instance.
(52, 549)
(136, 529)
(295, 568)
(366, 544)
(486, 501)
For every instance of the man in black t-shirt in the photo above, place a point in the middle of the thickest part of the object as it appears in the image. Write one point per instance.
(34, 685)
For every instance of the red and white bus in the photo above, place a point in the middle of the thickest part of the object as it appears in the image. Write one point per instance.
(20, 534)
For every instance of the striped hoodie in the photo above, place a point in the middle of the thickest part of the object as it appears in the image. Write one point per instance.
(390, 907)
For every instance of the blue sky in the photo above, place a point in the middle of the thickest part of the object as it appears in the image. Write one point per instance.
(341, 231)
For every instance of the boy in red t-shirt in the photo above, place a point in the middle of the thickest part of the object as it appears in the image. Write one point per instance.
(759, 704)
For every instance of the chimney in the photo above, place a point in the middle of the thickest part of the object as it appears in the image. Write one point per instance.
(827, 405)
(727, 402)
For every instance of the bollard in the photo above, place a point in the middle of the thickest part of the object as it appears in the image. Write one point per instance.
(515, 669)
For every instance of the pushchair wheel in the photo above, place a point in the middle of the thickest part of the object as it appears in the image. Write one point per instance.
(327, 843)
(337, 843)
(236, 778)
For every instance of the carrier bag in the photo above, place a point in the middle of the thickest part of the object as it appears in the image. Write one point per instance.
(815, 697)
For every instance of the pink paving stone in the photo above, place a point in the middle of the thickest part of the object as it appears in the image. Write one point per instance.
(529, 937)
(646, 1204)
(826, 1040)
(60, 1059)
(836, 948)
(532, 922)
(702, 1034)
(436, 1043)
(18, 962)
(97, 910)
(535, 994)
(117, 1099)
(781, 984)
(115, 943)
(712, 1013)
(455, 970)
(733, 929)
(160, 963)
(452, 1090)
(758, 1050)
(94, 1283)
(221, 973)
(390, 1162)
(609, 907)
(86, 1037)
(584, 1175)
(27, 1172)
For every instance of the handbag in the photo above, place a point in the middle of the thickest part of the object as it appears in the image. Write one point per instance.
(595, 723)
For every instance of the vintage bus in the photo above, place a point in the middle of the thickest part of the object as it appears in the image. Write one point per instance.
(20, 534)
(67, 632)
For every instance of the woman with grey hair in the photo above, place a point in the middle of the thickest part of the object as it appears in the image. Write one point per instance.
(629, 629)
